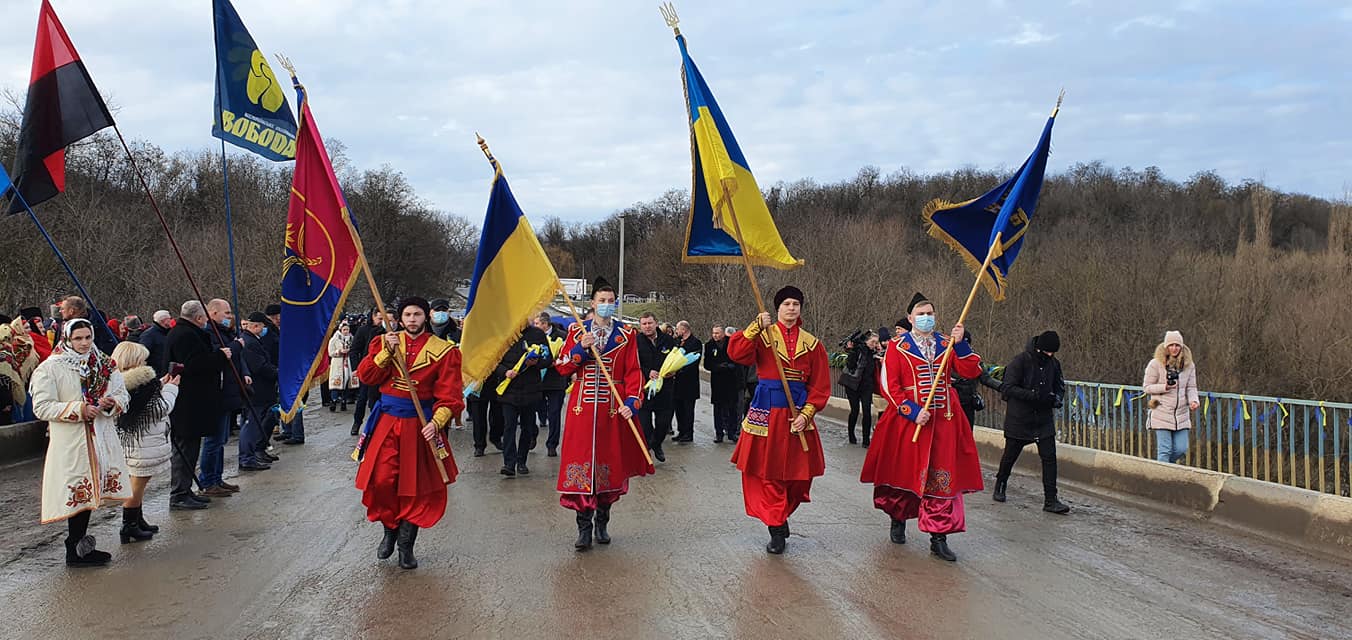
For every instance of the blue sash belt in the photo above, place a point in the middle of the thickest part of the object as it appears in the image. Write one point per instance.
(395, 406)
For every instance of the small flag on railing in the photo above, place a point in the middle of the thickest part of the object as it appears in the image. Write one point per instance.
(1245, 404)
(1098, 411)
(1118, 401)
(1319, 411)
(1238, 422)
(1206, 405)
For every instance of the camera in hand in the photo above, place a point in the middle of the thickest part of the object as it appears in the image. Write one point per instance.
(856, 337)
(1171, 376)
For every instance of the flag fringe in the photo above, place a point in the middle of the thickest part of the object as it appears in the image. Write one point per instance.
(544, 303)
(992, 280)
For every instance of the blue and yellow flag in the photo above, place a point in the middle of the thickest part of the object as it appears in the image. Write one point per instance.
(513, 280)
(321, 263)
(4, 182)
(971, 227)
(724, 196)
(251, 109)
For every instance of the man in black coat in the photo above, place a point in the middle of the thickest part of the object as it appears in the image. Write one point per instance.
(254, 435)
(1033, 389)
(656, 412)
(521, 399)
(156, 339)
(725, 385)
(212, 464)
(687, 384)
(553, 387)
(197, 412)
(361, 344)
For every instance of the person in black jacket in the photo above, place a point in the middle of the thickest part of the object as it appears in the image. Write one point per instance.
(361, 344)
(553, 387)
(725, 385)
(968, 390)
(520, 400)
(1034, 389)
(862, 362)
(656, 412)
(198, 409)
(253, 436)
(687, 384)
(212, 465)
(154, 339)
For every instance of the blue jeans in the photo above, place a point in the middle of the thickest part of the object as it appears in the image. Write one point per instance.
(551, 413)
(515, 447)
(212, 464)
(295, 429)
(1170, 446)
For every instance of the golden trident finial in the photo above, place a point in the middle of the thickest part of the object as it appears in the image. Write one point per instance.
(669, 13)
(286, 64)
(1058, 102)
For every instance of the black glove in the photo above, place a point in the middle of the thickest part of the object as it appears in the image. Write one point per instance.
(1051, 400)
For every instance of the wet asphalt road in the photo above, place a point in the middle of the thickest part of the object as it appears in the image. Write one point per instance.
(293, 557)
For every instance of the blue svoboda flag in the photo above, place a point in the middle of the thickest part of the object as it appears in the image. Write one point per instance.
(251, 109)
(723, 187)
(513, 280)
(970, 227)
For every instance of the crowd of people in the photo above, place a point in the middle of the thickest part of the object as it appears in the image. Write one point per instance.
(126, 401)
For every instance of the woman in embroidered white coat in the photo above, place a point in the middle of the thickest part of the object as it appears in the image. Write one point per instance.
(341, 376)
(79, 392)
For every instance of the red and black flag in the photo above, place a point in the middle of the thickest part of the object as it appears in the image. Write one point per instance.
(63, 107)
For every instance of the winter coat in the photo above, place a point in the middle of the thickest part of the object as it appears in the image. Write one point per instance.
(263, 391)
(144, 429)
(863, 360)
(687, 379)
(232, 398)
(524, 389)
(85, 466)
(156, 340)
(652, 352)
(1032, 388)
(1170, 409)
(725, 376)
(340, 368)
(361, 342)
(199, 405)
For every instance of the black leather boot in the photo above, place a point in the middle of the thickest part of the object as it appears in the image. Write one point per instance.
(939, 547)
(141, 520)
(584, 530)
(779, 537)
(898, 533)
(408, 534)
(131, 526)
(602, 519)
(999, 494)
(386, 548)
(1051, 504)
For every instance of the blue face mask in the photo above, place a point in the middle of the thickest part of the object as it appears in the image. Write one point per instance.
(441, 317)
(924, 324)
(225, 322)
(605, 310)
(265, 332)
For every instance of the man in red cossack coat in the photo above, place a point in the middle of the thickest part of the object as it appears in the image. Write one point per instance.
(926, 478)
(600, 452)
(398, 477)
(776, 472)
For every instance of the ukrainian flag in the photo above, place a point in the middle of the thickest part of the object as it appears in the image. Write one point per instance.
(513, 280)
(970, 228)
(725, 198)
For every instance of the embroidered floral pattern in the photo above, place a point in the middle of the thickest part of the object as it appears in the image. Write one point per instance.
(603, 477)
(939, 482)
(758, 416)
(578, 476)
(81, 492)
(112, 482)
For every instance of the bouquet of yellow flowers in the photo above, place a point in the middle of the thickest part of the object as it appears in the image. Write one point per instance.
(677, 359)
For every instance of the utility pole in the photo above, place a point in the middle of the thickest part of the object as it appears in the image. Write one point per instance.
(619, 296)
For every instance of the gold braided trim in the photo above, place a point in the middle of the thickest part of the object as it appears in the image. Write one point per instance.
(442, 417)
(383, 358)
(809, 411)
(753, 330)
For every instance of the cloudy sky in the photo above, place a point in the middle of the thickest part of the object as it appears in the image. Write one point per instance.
(581, 99)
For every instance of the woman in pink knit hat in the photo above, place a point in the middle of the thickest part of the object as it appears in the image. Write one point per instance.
(1171, 382)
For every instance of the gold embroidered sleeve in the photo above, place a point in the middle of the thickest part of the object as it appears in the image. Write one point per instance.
(809, 411)
(753, 330)
(382, 358)
(442, 417)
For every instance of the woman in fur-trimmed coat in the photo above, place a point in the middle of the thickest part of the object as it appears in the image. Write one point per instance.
(144, 431)
(1171, 382)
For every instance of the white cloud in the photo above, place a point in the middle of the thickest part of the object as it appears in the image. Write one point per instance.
(1031, 34)
(1151, 21)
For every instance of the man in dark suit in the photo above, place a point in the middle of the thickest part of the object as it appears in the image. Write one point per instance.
(197, 412)
(253, 436)
(687, 384)
(725, 386)
(656, 412)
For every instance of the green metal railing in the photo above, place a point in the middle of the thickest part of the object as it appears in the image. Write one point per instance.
(1298, 443)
